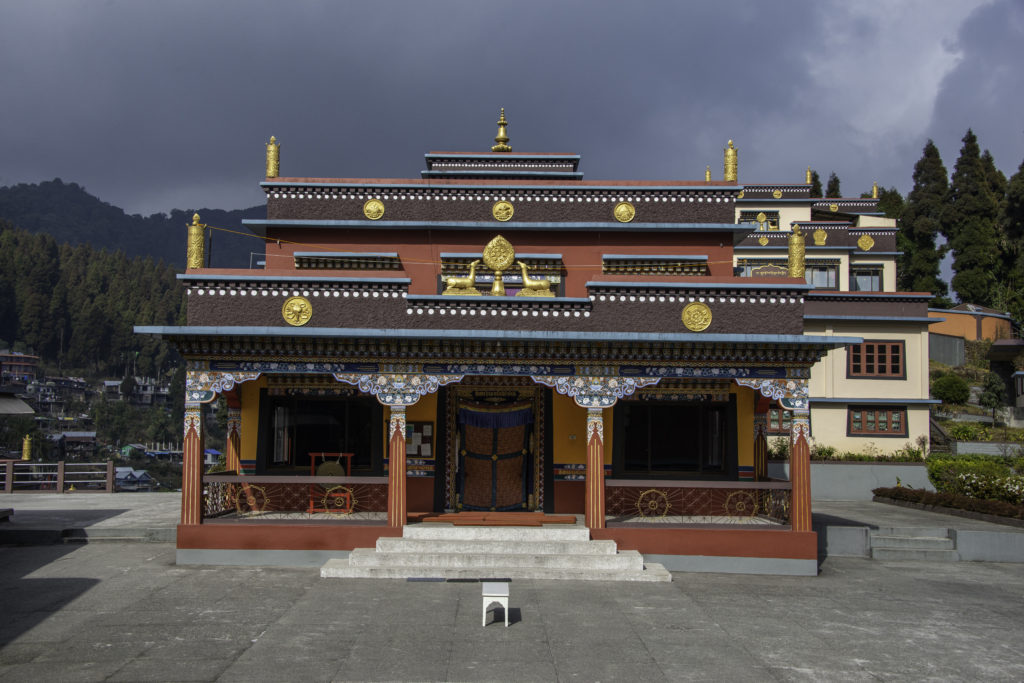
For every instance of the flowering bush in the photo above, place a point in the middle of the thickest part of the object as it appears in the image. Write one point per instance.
(985, 477)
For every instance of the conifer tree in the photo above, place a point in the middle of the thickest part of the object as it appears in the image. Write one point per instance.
(832, 189)
(970, 227)
(1012, 220)
(921, 222)
(815, 184)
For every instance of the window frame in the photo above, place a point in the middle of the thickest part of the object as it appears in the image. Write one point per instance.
(832, 268)
(875, 411)
(876, 343)
(875, 270)
(783, 425)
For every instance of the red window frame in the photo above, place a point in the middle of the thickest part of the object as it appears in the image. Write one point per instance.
(779, 420)
(878, 359)
(876, 421)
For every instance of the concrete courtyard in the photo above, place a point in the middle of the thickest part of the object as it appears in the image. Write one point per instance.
(124, 612)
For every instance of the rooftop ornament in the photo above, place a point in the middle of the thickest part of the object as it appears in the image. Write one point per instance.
(273, 158)
(195, 256)
(731, 163)
(502, 137)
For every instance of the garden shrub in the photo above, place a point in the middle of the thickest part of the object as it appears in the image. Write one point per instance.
(969, 431)
(952, 500)
(951, 389)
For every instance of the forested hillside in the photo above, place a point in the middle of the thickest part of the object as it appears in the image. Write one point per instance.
(68, 213)
(75, 305)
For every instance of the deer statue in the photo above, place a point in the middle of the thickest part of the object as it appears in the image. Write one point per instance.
(463, 286)
(533, 287)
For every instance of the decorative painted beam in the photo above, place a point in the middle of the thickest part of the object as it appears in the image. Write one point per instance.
(595, 391)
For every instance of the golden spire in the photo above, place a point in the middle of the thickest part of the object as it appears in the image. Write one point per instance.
(707, 173)
(807, 178)
(502, 137)
(194, 251)
(796, 266)
(731, 163)
(874, 190)
(273, 158)
(26, 447)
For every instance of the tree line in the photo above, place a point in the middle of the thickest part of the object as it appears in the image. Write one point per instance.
(75, 306)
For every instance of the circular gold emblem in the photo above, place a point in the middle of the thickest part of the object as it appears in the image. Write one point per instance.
(762, 217)
(777, 194)
(697, 317)
(499, 254)
(740, 195)
(865, 242)
(502, 211)
(297, 311)
(833, 207)
(373, 209)
(624, 212)
(763, 239)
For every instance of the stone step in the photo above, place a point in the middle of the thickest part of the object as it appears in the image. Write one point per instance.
(419, 545)
(915, 554)
(338, 568)
(448, 532)
(624, 561)
(916, 542)
(923, 531)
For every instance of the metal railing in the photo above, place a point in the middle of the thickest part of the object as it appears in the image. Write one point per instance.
(58, 477)
(700, 502)
(255, 495)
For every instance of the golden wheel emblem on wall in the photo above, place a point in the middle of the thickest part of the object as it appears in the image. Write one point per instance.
(653, 503)
(251, 499)
(696, 316)
(338, 500)
(624, 212)
(865, 242)
(502, 211)
(777, 194)
(373, 209)
(741, 504)
(297, 311)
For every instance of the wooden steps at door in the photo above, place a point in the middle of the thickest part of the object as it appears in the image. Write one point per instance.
(485, 518)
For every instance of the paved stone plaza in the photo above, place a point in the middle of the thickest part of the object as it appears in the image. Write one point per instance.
(125, 612)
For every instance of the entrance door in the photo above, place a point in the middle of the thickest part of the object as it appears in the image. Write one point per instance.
(494, 457)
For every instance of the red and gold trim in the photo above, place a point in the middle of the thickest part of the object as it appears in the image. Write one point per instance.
(396, 467)
(192, 466)
(800, 470)
(594, 503)
(234, 440)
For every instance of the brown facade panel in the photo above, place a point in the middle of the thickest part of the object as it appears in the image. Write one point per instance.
(866, 306)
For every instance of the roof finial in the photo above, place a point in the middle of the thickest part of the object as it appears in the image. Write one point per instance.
(874, 190)
(502, 137)
(707, 174)
(273, 158)
(807, 178)
(731, 163)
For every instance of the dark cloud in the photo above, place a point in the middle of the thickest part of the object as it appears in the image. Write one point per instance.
(154, 106)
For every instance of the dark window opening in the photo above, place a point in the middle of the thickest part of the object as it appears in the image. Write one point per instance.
(674, 440)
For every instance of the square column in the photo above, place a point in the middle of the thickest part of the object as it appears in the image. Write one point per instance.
(396, 468)
(594, 500)
(192, 465)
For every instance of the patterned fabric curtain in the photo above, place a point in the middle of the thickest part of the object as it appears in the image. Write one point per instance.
(494, 458)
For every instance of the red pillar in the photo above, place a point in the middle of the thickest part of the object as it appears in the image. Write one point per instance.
(234, 439)
(396, 467)
(594, 503)
(800, 471)
(192, 466)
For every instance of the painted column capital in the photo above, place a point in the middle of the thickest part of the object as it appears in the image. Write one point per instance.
(595, 424)
(202, 386)
(791, 393)
(595, 391)
(397, 389)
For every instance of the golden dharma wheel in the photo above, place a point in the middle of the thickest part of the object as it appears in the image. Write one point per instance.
(499, 255)
(373, 209)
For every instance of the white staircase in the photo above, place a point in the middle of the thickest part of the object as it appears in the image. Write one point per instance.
(930, 544)
(444, 551)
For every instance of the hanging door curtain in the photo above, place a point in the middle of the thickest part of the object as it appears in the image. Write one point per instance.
(494, 458)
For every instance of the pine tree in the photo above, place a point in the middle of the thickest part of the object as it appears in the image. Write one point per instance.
(970, 227)
(815, 184)
(921, 222)
(1012, 221)
(832, 189)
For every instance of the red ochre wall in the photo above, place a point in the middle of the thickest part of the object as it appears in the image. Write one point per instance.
(420, 250)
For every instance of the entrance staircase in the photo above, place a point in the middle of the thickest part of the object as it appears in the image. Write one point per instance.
(930, 544)
(446, 551)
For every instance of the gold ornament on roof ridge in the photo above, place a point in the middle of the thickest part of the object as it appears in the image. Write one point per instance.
(797, 249)
(502, 211)
(373, 209)
(696, 316)
(865, 242)
(731, 163)
(807, 178)
(819, 237)
(196, 246)
(297, 311)
(532, 287)
(874, 190)
(463, 286)
(763, 240)
(707, 174)
(273, 158)
(777, 193)
(833, 207)
(499, 255)
(502, 137)
(624, 212)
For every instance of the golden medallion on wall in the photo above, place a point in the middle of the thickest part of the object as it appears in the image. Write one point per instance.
(373, 209)
(624, 212)
(740, 195)
(696, 317)
(777, 194)
(865, 242)
(833, 207)
(763, 240)
(819, 237)
(499, 254)
(297, 311)
(502, 210)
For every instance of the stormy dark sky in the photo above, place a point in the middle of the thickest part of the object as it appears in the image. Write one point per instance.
(161, 105)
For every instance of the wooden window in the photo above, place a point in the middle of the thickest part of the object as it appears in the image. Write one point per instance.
(877, 421)
(822, 276)
(866, 279)
(779, 421)
(876, 359)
